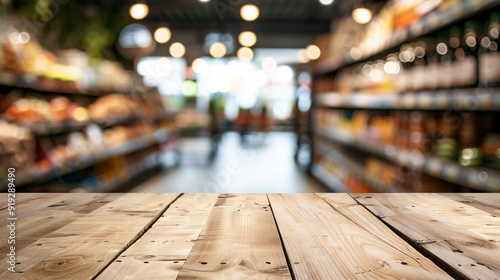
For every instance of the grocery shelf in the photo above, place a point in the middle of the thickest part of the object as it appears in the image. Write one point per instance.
(138, 168)
(328, 179)
(50, 128)
(429, 24)
(477, 178)
(354, 168)
(11, 82)
(477, 99)
(137, 144)
(45, 128)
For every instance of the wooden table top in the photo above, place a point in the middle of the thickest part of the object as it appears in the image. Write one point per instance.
(254, 236)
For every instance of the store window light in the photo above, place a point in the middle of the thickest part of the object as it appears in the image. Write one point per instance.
(245, 54)
(247, 38)
(139, 11)
(163, 35)
(218, 50)
(269, 64)
(177, 50)
(313, 52)
(362, 15)
(249, 12)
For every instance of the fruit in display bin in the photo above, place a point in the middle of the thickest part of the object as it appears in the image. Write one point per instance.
(38, 110)
(29, 110)
(10, 61)
(112, 107)
(77, 149)
(17, 146)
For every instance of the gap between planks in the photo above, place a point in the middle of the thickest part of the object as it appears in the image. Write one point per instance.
(454, 245)
(153, 221)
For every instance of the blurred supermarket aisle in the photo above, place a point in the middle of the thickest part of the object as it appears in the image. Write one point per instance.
(266, 164)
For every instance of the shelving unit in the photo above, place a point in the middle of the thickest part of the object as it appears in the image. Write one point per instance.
(480, 179)
(158, 138)
(480, 99)
(382, 102)
(354, 168)
(56, 129)
(429, 24)
(10, 82)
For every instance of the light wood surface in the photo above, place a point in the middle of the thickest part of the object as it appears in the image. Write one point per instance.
(239, 241)
(339, 239)
(161, 251)
(84, 246)
(462, 251)
(254, 236)
(484, 201)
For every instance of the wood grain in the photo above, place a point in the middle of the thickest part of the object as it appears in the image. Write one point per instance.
(42, 214)
(161, 251)
(468, 217)
(484, 201)
(82, 248)
(345, 242)
(460, 251)
(239, 241)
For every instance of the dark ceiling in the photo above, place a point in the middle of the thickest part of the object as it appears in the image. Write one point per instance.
(283, 16)
(281, 24)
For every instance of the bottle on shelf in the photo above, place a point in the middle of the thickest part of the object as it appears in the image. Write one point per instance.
(488, 54)
(457, 55)
(468, 68)
(445, 58)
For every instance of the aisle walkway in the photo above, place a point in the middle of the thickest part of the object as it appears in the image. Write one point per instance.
(265, 168)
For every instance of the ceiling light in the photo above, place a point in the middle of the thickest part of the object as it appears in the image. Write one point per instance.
(313, 52)
(162, 35)
(326, 2)
(204, 0)
(218, 50)
(269, 64)
(139, 11)
(247, 38)
(362, 15)
(249, 12)
(177, 50)
(245, 54)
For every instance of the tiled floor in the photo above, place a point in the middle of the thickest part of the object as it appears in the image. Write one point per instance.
(265, 166)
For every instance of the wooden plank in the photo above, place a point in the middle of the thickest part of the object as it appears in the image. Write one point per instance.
(344, 242)
(468, 217)
(51, 215)
(484, 201)
(161, 251)
(29, 203)
(239, 241)
(20, 197)
(78, 251)
(459, 251)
